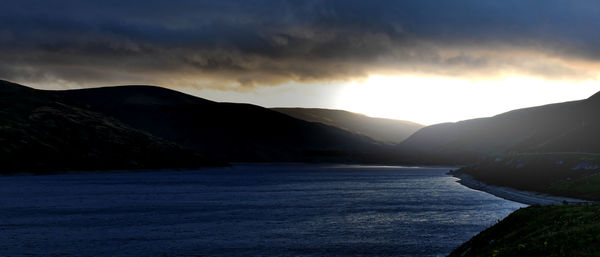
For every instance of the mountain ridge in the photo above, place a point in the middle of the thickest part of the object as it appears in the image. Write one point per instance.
(228, 131)
(381, 129)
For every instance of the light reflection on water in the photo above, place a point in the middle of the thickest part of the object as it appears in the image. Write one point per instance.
(247, 210)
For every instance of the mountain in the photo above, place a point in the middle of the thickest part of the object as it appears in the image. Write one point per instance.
(227, 131)
(384, 130)
(563, 127)
(42, 133)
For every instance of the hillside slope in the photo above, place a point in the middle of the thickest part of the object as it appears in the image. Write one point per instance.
(384, 130)
(42, 133)
(567, 174)
(227, 131)
(561, 231)
(563, 127)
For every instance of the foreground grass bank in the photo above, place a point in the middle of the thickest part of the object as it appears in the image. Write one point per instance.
(565, 230)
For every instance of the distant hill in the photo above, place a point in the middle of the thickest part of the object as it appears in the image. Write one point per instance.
(228, 131)
(384, 130)
(42, 133)
(564, 127)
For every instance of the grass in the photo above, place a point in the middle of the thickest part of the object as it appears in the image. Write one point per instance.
(587, 187)
(583, 156)
(570, 174)
(567, 230)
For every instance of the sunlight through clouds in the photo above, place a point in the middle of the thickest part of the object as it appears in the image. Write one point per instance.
(430, 100)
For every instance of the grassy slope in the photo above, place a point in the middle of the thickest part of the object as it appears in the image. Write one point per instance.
(568, 230)
(586, 187)
(564, 174)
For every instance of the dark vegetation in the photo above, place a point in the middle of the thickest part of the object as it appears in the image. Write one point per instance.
(383, 130)
(561, 231)
(574, 175)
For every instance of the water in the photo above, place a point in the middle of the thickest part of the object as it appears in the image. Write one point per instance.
(247, 210)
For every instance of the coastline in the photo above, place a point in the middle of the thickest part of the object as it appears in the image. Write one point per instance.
(524, 197)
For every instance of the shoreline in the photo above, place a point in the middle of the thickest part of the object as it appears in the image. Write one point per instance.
(524, 197)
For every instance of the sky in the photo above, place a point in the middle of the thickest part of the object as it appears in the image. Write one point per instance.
(424, 61)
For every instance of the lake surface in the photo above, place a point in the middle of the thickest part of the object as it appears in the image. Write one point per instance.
(246, 210)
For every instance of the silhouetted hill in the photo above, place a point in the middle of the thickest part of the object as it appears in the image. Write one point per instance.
(564, 127)
(383, 130)
(227, 131)
(41, 133)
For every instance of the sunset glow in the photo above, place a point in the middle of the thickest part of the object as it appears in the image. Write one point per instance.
(435, 100)
(425, 100)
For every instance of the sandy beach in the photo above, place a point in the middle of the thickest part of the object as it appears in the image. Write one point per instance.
(525, 197)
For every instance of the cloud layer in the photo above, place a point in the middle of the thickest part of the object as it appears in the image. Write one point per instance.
(239, 44)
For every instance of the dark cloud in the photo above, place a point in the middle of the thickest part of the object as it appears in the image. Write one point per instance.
(217, 43)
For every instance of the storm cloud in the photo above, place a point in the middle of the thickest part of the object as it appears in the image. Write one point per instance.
(239, 44)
